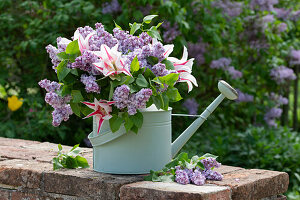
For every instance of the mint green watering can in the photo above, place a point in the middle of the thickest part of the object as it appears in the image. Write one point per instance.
(152, 147)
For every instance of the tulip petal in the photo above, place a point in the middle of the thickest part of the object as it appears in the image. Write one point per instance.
(168, 49)
(100, 124)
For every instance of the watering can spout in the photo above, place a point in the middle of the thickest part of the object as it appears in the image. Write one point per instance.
(226, 91)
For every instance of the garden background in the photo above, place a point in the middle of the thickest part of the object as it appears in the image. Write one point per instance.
(253, 44)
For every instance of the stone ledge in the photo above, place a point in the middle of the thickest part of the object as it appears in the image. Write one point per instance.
(26, 173)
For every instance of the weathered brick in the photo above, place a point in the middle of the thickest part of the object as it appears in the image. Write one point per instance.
(147, 190)
(254, 183)
(27, 174)
(87, 183)
(4, 194)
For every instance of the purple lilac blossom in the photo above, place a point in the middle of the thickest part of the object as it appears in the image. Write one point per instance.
(111, 7)
(210, 162)
(147, 39)
(244, 97)
(197, 51)
(212, 175)
(232, 9)
(49, 86)
(191, 105)
(220, 63)
(159, 69)
(271, 115)
(53, 51)
(121, 96)
(138, 100)
(85, 62)
(282, 13)
(171, 31)
(55, 100)
(182, 177)
(280, 100)
(295, 57)
(295, 16)
(60, 114)
(158, 51)
(84, 31)
(281, 27)
(61, 46)
(235, 74)
(189, 172)
(198, 178)
(127, 42)
(263, 5)
(281, 74)
(90, 83)
(101, 37)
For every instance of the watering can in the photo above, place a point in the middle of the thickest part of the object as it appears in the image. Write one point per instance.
(151, 148)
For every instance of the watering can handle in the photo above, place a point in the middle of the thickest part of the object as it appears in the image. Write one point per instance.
(226, 91)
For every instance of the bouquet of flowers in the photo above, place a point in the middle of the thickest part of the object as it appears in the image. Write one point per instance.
(112, 76)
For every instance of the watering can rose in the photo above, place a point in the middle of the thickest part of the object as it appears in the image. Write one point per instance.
(115, 74)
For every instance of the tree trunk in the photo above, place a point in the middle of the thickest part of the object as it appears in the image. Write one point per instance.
(295, 110)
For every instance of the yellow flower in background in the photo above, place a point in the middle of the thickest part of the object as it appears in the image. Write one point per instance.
(14, 103)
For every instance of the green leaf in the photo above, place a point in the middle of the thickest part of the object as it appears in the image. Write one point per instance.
(76, 108)
(135, 26)
(117, 26)
(128, 124)
(135, 65)
(63, 56)
(165, 100)
(147, 19)
(126, 80)
(73, 48)
(154, 33)
(133, 88)
(148, 74)
(141, 81)
(169, 64)
(62, 70)
(59, 147)
(74, 71)
(111, 91)
(66, 89)
(115, 123)
(82, 162)
(167, 178)
(71, 162)
(173, 94)
(76, 96)
(152, 60)
(157, 102)
(169, 79)
(137, 119)
(135, 129)
(209, 155)
(56, 163)
(149, 102)
(74, 152)
(158, 25)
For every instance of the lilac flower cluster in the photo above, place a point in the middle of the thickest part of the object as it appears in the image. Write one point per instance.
(53, 51)
(191, 105)
(197, 51)
(123, 99)
(160, 69)
(263, 5)
(101, 37)
(271, 115)
(129, 42)
(121, 96)
(90, 83)
(62, 110)
(111, 7)
(198, 176)
(282, 74)
(85, 62)
(84, 31)
(171, 31)
(278, 99)
(223, 63)
(232, 9)
(244, 97)
(295, 57)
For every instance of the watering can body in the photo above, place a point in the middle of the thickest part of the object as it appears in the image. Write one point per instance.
(151, 148)
(130, 153)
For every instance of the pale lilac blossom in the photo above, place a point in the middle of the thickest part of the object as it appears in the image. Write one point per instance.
(282, 74)
(90, 83)
(244, 97)
(191, 105)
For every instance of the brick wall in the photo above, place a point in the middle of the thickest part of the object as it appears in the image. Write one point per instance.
(26, 174)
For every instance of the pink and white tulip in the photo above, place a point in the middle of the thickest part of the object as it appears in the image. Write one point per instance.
(83, 43)
(111, 62)
(184, 68)
(102, 110)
